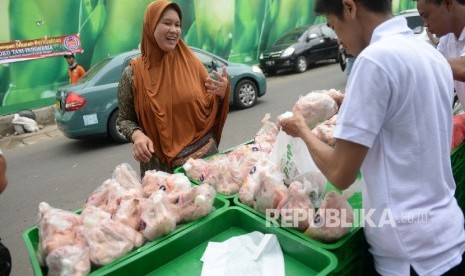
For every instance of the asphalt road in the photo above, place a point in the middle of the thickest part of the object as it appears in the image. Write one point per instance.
(63, 172)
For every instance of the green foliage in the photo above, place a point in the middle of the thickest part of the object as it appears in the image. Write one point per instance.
(91, 22)
(401, 5)
(238, 30)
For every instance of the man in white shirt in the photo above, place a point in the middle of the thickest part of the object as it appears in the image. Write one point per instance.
(446, 19)
(395, 126)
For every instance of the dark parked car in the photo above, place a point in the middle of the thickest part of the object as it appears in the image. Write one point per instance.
(299, 48)
(90, 107)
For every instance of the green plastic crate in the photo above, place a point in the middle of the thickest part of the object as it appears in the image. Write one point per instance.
(180, 254)
(348, 250)
(31, 240)
(458, 170)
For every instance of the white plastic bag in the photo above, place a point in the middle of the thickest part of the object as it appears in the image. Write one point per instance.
(28, 124)
(252, 254)
(292, 156)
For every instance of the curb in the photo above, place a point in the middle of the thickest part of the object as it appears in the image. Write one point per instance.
(44, 116)
(18, 141)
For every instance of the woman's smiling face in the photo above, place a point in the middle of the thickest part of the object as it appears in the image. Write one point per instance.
(168, 30)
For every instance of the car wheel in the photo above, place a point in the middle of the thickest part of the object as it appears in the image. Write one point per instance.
(113, 129)
(245, 94)
(301, 65)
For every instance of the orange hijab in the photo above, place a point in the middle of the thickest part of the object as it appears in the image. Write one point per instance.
(170, 99)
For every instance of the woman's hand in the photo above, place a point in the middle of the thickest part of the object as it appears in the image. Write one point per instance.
(143, 147)
(219, 86)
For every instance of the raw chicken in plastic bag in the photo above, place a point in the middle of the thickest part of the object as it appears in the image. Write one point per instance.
(126, 176)
(262, 171)
(335, 216)
(109, 195)
(324, 131)
(107, 239)
(266, 135)
(154, 181)
(158, 217)
(69, 260)
(195, 203)
(316, 107)
(57, 228)
(296, 206)
(129, 211)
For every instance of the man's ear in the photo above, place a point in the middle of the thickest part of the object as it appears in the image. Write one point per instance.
(350, 8)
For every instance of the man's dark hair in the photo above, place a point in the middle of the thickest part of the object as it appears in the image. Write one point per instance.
(334, 7)
(438, 2)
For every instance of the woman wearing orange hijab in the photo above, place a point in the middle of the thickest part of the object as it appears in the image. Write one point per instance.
(169, 107)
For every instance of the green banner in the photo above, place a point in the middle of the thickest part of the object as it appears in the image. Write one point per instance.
(237, 30)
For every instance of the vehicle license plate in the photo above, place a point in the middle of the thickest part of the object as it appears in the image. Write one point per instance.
(58, 105)
(90, 119)
(270, 62)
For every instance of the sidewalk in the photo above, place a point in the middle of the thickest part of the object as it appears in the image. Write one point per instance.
(47, 130)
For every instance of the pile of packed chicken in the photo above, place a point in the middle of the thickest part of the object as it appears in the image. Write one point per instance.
(261, 183)
(125, 212)
(119, 216)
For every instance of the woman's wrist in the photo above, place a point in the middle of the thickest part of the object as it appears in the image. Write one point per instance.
(135, 133)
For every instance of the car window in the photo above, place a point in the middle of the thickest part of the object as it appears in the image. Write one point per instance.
(207, 61)
(327, 32)
(415, 23)
(220, 63)
(113, 75)
(316, 31)
(94, 70)
(290, 37)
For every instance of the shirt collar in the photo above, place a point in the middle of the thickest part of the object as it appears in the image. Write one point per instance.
(393, 26)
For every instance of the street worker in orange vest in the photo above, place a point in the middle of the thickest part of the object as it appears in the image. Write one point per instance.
(75, 71)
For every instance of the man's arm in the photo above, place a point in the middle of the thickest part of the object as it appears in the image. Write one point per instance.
(340, 164)
(458, 68)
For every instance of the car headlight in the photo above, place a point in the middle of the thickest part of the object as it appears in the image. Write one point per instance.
(256, 69)
(289, 51)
